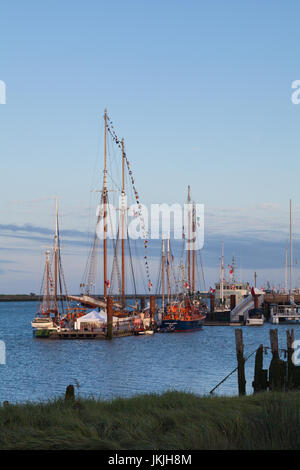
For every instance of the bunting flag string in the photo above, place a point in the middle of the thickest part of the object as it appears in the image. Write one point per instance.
(117, 141)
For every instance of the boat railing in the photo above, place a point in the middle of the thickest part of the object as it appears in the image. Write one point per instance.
(287, 314)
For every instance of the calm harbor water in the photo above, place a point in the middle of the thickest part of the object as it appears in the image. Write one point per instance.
(38, 369)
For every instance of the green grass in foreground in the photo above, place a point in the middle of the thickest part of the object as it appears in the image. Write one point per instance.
(173, 420)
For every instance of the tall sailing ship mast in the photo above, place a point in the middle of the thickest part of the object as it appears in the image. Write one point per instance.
(117, 259)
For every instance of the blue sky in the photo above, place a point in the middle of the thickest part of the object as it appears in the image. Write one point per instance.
(201, 91)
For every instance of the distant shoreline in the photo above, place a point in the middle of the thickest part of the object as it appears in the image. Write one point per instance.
(28, 297)
(19, 298)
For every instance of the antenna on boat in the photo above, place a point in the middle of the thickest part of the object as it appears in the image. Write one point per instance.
(233, 269)
(163, 274)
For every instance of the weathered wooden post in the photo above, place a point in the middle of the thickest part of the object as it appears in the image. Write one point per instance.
(277, 369)
(70, 393)
(255, 301)
(212, 304)
(152, 309)
(240, 360)
(232, 301)
(260, 381)
(290, 351)
(109, 316)
(143, 303)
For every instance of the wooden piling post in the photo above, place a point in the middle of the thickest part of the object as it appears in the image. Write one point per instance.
(152, 308)
(260, 382)
(255, 301)
(232, 301)
(109, 316)
(277, 369)
(240, 360)
(143, 303)
(70, 393)
(290, 366)
(274, 341)
(212, 303)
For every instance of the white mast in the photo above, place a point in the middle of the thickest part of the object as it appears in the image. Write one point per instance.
(286, 270)
(56, 256)
(163, 275)
(168, 268)
(47, 282)
(291, 250)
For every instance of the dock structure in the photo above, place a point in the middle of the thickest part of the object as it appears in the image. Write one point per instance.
(284, 299)
(73, 334)
(280, 308)
(78, 334)
(99, 327)
(253, 301)
(284, 313)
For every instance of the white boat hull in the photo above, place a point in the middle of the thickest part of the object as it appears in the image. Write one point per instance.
(40, 323)
(254, 321)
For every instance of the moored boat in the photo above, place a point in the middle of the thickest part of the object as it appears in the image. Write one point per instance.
(186, 312)
(54, 312)
(183, 316)
(43, 326)
(255, 317)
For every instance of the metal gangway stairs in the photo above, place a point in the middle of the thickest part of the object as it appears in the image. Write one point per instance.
(245, 305)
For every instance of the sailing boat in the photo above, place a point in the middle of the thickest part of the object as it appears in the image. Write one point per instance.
(187, 312)
(54, 308)
(115, 276)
